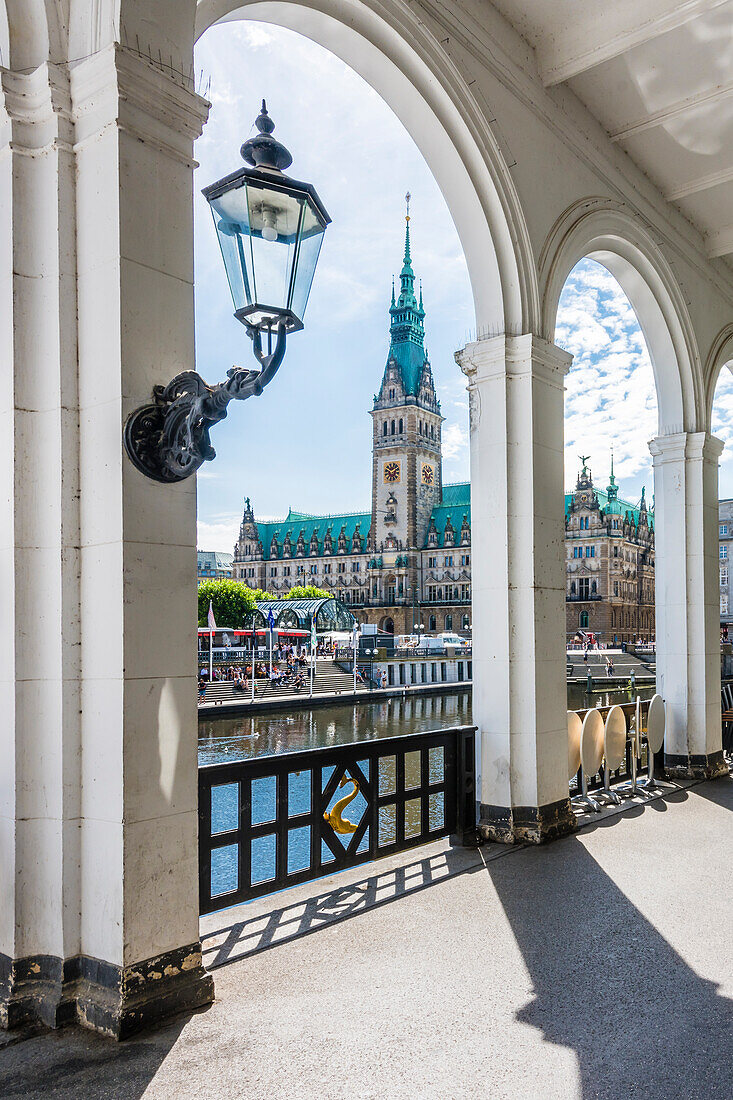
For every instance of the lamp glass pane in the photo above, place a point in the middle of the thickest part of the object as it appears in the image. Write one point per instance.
(311, 239)
(272, 274)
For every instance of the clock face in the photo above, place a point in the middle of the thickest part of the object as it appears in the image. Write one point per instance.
(391, 473)
(428, 475)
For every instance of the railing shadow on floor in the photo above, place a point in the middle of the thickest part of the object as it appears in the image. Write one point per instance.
(607, 984)
(278, 926)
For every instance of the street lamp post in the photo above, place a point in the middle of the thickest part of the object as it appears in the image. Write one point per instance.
(355, 650)
(370, 654)
(270, 229)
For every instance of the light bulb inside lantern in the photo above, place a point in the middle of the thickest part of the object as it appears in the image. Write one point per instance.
(269, 232)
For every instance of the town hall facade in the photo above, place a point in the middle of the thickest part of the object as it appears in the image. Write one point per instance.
(405, 565)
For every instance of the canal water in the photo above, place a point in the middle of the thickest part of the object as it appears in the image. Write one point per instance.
(227, 739)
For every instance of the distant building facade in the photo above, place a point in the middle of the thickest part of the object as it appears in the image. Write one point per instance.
(609, 567)
(725, 550)
(406, 563)
(211, 565)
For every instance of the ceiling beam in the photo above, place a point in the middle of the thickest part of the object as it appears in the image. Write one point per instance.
(672, 111)
(702, 183)
(585, 46)
(719, 243)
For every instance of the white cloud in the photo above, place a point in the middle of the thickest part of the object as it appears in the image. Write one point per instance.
(455, 441)
(219, 535)
(610, 399)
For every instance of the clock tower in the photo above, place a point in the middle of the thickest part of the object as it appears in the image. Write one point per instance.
(406, 440)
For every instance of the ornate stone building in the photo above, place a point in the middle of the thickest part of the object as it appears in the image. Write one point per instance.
(408, 560)
(609, 548)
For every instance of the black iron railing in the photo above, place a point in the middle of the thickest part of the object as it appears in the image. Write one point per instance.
(275, 821)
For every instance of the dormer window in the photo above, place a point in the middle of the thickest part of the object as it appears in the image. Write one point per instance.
(391, 395)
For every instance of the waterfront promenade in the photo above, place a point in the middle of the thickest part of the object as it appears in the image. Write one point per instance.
(597, 968)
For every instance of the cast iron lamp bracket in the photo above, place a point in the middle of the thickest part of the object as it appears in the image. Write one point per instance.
(168, 440)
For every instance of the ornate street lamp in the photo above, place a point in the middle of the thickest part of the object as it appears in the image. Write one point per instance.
(270, 229)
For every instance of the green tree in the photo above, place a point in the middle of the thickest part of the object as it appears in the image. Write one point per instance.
(232, 601)
(260, 595)
(307, 592)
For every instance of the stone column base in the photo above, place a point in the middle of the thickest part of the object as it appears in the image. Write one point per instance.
(712, 766)
(115, 1001)
(527, 824)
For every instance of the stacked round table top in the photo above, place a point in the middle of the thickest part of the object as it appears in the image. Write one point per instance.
(592, 742)
(614, 736)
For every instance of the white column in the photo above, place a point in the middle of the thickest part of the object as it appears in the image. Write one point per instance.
(98, 789)
(515, 387)
(688, 600)
(139, 883)
(39, 558)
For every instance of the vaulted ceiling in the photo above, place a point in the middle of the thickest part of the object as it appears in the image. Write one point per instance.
(658, 76)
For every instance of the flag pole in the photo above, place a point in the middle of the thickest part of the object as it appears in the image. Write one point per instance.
(313, 634)
(254, 628)
(212, 627)
(354, 638)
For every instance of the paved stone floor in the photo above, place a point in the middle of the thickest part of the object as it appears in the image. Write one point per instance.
(598, 967)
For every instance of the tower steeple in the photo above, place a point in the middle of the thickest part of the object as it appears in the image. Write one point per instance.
(406, 330)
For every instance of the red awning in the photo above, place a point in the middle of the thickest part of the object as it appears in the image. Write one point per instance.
(290, 630)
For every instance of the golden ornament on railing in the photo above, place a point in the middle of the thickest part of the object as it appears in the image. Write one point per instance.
(338, 823)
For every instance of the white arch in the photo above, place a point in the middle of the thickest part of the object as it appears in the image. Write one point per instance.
(31, 33)
(403, 63)
(604, 231)
(719, 356)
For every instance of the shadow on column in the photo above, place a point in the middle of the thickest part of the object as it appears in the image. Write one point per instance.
(608, 985)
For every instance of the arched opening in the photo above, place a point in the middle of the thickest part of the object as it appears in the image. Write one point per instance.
(610, 416)
(684, 461)
(443, 121)
(720, 396)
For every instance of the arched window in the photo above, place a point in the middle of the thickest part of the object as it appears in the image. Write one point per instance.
(419, 424)
(384, 428)
(432, 623)
(392, 428)
(401, 427)
(465, 623)
(584, 620)
(449, 622)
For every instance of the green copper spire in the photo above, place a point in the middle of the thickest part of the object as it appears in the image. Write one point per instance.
(407, 334)
(407, 275)
(612, 487)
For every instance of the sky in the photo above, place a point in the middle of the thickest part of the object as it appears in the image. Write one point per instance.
(306, 442)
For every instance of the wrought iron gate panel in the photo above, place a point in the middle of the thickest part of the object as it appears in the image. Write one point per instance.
(259, 833)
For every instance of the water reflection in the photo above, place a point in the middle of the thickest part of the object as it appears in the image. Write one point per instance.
(243, 738)
(227, 739)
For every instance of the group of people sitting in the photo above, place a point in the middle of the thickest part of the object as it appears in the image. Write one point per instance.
(292, 672)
